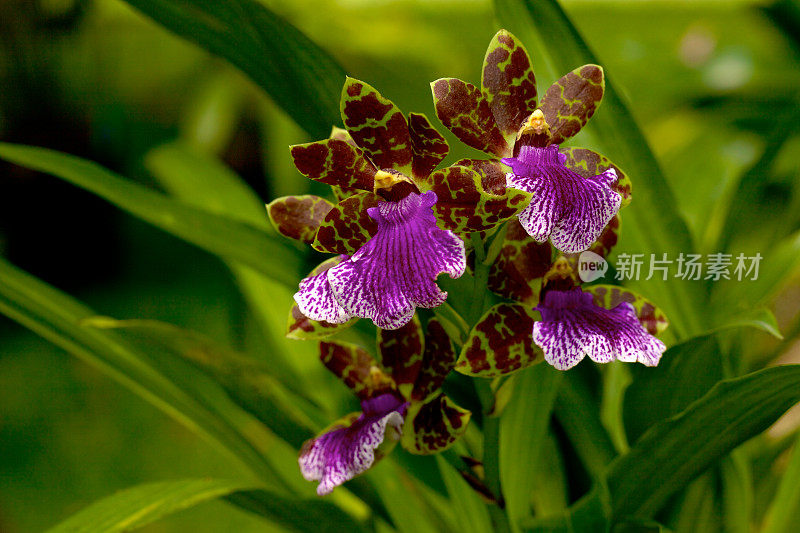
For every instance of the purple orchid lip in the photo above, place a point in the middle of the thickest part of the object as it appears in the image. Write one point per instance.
(393, 273)
(573, 327)
(345, 452)
(570, 210)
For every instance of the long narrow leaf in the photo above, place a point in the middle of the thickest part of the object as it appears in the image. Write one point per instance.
(675, 451)
(523, 426)
(786, 504)
(217, 234)
(56, 317)
(248, 382)
(301, 77)
(471, 513)
(302, 516)
(203, 181)
(139, 506)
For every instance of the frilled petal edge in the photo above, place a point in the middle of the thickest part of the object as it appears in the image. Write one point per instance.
(396, 271)
(341, 454)
(567, 208)
(315, 300)
(572, 327)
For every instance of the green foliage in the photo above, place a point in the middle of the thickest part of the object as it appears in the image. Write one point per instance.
(302, 78)
(523, 428)
(221, 235)
(622, 448)
(673, 452)
(139, 506)
(57, 317)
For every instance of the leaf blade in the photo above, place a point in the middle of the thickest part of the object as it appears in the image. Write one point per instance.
(217, 234)
(139, 506)
(675, 451)
(299, 75)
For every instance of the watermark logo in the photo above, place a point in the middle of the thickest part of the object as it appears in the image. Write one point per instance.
(591, 266)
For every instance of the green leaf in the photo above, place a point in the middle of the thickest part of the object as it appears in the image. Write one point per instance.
(737, 492)
(298, 217)
(248, 382)
(590, 514)
(578, 413)
(523, 426)
(500, 343)
(782, 511)
(56, 317)
(377, 126)
(302, 516)
(508, 83)
(220, 235)
(139, 506)
(301, 77)
(762, 319)
(405, 501)
(544, 26)
(677, 450)
(652, 396)
(470, 510)
(202, 180)
(778, 266)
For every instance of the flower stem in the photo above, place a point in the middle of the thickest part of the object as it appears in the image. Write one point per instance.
(491, 454)
(454, 324)
(496, 245)
(480, 279)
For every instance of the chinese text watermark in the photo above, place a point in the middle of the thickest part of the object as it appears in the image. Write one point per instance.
(713, 267)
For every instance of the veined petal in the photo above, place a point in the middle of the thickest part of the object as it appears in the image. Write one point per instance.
(316, 300)
(301, 326)
(396, 271)
(348, 448)
(593, 204)
(573, 327)
(539, 217)
(569, 209)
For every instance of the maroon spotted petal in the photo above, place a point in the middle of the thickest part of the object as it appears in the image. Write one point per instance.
(377, 126)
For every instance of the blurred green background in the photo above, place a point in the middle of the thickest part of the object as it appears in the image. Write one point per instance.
(714, 84)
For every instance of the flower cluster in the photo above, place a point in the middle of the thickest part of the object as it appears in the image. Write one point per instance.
(516, 219)
(401, 400)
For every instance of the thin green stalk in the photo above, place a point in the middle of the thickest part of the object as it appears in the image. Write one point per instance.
(480, 279)
(496, 245)
(491, 457)
(454, 324)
